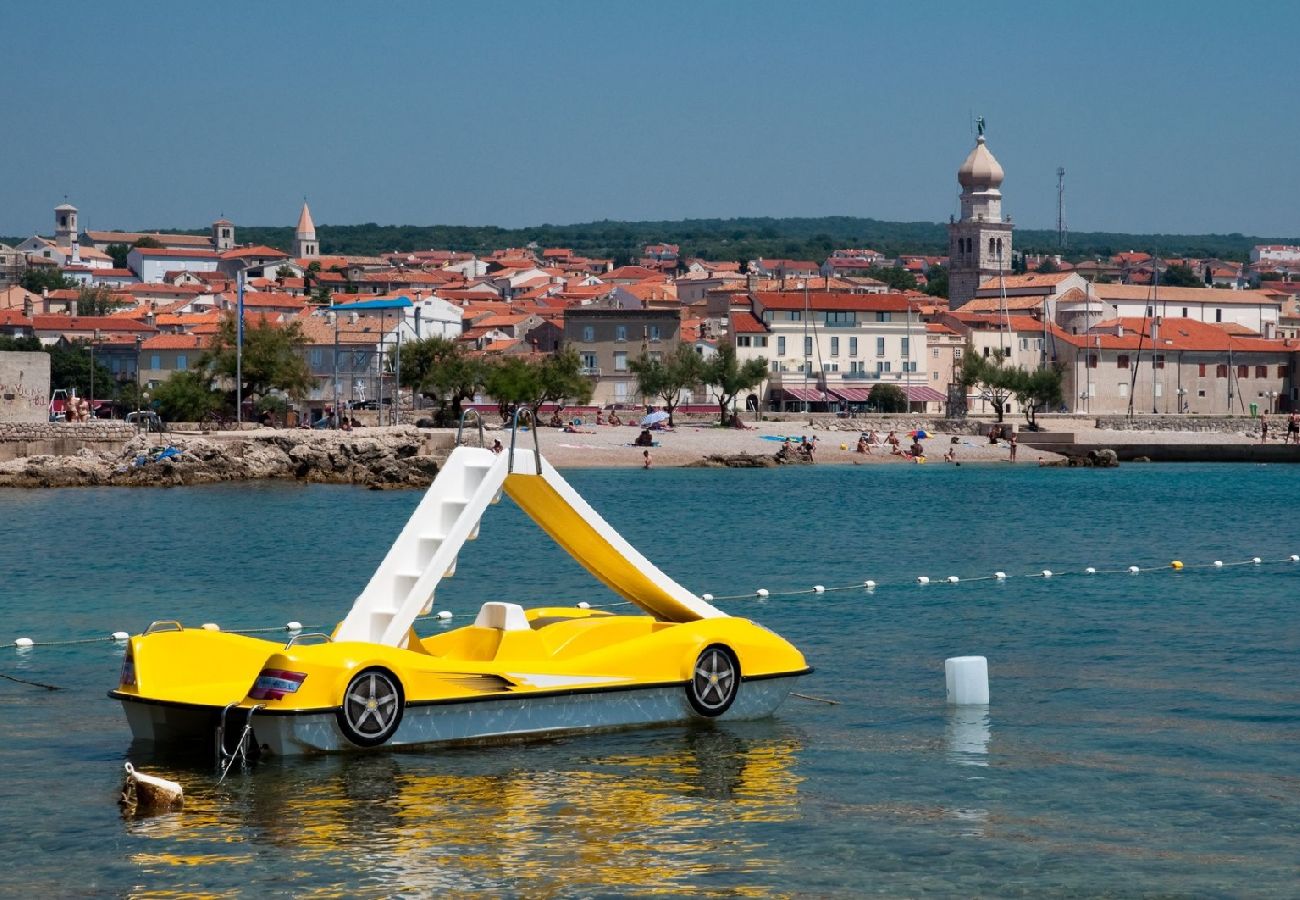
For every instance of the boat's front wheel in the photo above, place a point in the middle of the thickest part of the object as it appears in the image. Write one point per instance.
(715, 679)
(372, 707)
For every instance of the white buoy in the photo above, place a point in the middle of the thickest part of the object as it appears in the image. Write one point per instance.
(1133, 570)
(120, 636)
(1256, 560)
(819, 588)
(923, 579)
(211, 626)
(149, 794)
(968, 680)
(761, 592)
(1000, 576)
(1218, 564)
(583, 604)
(293, 626)
(1091, 570)
(443, 615)
(869, 584)
(1295, 557)
(23, 642)
(1047, 573)
(706, 596)
(953, 579)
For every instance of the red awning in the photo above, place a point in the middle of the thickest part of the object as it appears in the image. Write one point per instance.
(852, 394)
(922, 394)
(810, 395)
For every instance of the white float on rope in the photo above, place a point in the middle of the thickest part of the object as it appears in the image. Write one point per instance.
(953, 579)
(1000, 576)
(1091, 570)
(869, 584)
(1047, 573)
(923, 579)
(23, 642)
(1294, 557)
(1218, 564)
(443, 615)
(761, 592)
(583, 604)
(293, 626)
(706, 596)
(819, 588)
(1256, 560)
(1133, 570)
(120, 636)
(967, 678)
(211, 626)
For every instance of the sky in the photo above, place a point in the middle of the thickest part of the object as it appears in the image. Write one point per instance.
(1170, 117)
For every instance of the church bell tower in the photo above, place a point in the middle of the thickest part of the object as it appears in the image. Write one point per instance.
(979, 243)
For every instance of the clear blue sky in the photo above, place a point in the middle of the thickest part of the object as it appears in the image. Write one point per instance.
(1174, 117)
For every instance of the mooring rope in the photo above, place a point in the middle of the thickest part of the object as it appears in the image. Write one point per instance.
(760, 594)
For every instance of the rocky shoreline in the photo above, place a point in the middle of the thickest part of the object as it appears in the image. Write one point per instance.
(393, 458)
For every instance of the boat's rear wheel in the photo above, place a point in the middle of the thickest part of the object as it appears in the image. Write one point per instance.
(715, 680)
(372, 707)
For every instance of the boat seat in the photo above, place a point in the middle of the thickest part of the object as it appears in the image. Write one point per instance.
(503, 616)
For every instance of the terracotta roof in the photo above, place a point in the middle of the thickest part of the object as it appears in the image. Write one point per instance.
(639, 273)
(821, 300)
(259, 250)
(995, 304)
(130, 237)
(88, 323)
(938, 328)
(1178, 334)
(177, 342)
(318, 330)
(164, 252)
(1032, 279)
(744, 322)
(1184, 295)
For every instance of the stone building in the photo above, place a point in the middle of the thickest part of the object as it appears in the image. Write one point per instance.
(979, 243)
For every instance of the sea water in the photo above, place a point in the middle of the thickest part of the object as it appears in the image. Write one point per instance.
(1141, 736)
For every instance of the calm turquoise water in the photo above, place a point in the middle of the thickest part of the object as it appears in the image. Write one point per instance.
(1142, 736)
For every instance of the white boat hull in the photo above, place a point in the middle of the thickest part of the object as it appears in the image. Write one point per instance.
(488, 719)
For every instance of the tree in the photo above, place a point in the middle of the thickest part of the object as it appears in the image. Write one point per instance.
(887, 398)
(38, 279)
(730, 377)
(284, 272)
(70, 368)
(272, 357)
(187, 397)
(438, 368)
(936, 281)
(898, 278)
(148, 243)
(1048, 266)
(666, 379)
(96, 301)
(1040, 389)
(995, 382)
(556, 378)
(1180, 276)
(119, 253)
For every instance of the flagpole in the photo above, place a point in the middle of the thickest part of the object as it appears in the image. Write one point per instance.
(239, 354)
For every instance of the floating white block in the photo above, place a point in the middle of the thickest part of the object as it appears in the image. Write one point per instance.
(120, 636)
(869, 584)
(444, 615)
(293, 626)
(968, 680)
(819, 588)
(1091, 570)
(706, 596)
(1047, 573)
(23, 642)
(953, 579)
(1295, 557)
(211, 626)
(761, 592)
(923, 579)
(1133, 570)
(1000, 576)
(1218, 564)
(583, 604)
(1256, 560)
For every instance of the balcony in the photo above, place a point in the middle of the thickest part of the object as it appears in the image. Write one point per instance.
(592, 371)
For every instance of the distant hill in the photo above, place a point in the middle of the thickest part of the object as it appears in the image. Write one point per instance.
(735, 239)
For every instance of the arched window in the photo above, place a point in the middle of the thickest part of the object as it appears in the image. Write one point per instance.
(999, 248)
(991, 251)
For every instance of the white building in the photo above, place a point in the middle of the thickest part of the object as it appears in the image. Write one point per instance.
(1277, 254)
(152, 264)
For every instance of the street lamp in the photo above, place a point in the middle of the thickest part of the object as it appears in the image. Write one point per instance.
(1182, 403)
(1272, 396)
(95, 336)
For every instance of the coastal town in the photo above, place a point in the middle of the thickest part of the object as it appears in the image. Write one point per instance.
(1127, 335)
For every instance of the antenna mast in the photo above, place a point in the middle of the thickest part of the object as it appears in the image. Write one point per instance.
(1060, 207)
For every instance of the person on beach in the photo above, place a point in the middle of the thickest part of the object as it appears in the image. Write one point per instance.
(497, 447)
(645, 438)
(1263, 429)
(1293, 428)
(873, 437)
(1011, 442)
(600, 417)
(951, 455)
(892, 440)
(863, 446)
(645, 459)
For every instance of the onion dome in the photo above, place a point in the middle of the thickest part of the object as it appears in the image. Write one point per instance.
(980, 171)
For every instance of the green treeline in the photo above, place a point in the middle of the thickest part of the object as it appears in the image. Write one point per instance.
(738, 239)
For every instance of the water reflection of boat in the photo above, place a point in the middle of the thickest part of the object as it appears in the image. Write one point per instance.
(514, 672)
(674, 807)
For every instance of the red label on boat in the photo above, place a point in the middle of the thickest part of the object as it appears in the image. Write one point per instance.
(273, 684)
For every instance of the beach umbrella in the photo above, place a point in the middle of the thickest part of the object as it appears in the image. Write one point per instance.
(920, 433)
(654, 418)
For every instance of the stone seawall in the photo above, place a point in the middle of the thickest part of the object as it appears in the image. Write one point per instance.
(1202, 424)
(19, 439)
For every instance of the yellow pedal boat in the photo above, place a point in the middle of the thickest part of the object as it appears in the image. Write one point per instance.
(514, 672)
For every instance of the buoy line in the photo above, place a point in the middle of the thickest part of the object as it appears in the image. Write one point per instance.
(759, 594)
